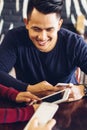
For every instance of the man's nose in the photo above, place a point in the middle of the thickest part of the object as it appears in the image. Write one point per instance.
(43, 35)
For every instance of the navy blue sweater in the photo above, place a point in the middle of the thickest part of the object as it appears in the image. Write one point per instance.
(33, 66)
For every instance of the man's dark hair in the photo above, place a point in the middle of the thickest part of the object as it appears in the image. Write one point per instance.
(45, 6)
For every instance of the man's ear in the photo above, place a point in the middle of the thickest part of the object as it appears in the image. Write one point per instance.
(25, 21)
(60, 22)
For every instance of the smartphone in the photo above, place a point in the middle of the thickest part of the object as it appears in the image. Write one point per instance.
(57, 97)
(64, 84)
(44, 113)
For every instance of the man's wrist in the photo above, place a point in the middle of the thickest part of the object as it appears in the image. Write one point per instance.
(85, 89)
(27, 89)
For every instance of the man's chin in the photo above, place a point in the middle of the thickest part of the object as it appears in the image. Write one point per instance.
(42, 48)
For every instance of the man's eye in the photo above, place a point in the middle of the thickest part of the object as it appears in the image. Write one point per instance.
(37, 29)
(50, 30)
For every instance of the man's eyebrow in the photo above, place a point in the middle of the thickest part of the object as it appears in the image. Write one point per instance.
(35, 27)
(49, 28)
(43, 28)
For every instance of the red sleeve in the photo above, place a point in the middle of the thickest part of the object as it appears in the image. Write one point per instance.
(7, 92)
(11, 115)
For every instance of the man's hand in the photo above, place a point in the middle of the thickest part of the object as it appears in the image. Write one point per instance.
(26, 97)
(77, 92)
(42, 89)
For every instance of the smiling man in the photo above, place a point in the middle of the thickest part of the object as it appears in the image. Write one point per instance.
(42, 53)
(43, 29)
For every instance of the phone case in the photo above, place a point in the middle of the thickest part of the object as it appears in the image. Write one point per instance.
(44, 113)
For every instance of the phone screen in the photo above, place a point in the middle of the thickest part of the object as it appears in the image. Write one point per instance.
(54, 97)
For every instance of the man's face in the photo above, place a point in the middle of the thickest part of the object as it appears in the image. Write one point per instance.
(43, 30)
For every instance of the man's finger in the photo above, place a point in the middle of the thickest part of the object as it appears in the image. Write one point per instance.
(51, 123)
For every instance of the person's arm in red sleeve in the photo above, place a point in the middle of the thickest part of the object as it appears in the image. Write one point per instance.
(15, 95)
(11, 115)
(9, 93)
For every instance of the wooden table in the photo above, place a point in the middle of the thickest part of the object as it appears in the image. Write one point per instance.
(70, 116)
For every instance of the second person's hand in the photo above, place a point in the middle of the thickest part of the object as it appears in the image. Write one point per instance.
(35, 125)
(26, 97)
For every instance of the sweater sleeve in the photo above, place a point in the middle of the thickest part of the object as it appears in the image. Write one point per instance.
(8, 80)
(9, 93)
(20, 114)
(7, 61)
